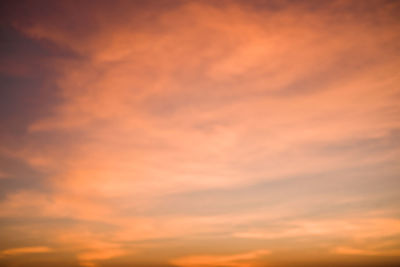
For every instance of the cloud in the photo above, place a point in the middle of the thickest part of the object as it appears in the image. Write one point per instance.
(141, 116)
(234, 260)
(25, 250)
(357, 229)
(90, 257)
(364, 252)
(156, 101)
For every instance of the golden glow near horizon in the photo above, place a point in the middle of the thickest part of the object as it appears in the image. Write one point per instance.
(200, 133)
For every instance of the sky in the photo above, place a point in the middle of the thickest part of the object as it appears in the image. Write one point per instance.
(200, 133)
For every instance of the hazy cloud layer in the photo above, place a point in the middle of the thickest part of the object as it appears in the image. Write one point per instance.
(135, 129)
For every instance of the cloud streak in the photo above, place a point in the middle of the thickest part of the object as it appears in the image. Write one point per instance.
(235, 260)
(25, 250)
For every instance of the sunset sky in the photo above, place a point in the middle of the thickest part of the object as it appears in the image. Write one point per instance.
(200, 133)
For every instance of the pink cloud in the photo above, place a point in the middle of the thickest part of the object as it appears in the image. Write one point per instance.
(199, 96)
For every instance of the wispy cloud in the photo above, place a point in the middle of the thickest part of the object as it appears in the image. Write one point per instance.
(181, 121)
(25, 250)
(358, 229)
(365, 252)
(247, 259)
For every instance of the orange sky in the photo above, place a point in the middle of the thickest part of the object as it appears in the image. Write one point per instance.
(200, 133)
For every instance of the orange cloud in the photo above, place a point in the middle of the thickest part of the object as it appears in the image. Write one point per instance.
(90, 258)
(234, 260)
(358, 229)
(165, 101)
(356, 251)
(25, 250)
